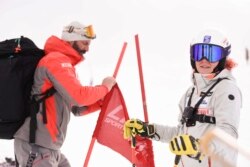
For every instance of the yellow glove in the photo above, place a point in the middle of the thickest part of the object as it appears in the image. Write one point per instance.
(186, 145)
(133, 127)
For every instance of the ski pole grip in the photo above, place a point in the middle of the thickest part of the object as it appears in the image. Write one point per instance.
(177, 160)
(133, 142)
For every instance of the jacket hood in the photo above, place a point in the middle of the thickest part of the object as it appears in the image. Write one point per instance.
(54, 44)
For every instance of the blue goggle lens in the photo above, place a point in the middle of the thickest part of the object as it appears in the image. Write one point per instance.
(212, 53)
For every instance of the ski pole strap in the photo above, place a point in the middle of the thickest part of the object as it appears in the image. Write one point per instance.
(32, 155)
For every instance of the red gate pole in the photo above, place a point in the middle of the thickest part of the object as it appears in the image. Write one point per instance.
(144, 103)
(120, 59)
(114, 75)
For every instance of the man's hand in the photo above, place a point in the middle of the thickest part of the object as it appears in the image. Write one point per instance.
(135, 127)
(109, 82)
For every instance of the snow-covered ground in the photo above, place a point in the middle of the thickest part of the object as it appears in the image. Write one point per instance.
(165, 29)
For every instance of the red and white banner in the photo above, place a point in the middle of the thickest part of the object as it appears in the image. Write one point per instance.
(109, 131)
(109, 128)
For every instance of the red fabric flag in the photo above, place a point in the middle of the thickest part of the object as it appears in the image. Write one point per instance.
(109, 131)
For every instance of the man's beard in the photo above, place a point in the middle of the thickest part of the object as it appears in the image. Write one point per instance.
(80, 51)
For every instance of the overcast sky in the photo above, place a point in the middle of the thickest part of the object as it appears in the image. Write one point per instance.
(165, 29)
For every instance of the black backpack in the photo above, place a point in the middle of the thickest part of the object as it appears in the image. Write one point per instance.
(18, 60)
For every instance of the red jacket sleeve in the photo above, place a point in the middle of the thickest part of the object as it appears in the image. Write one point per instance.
(61, 74)
(85, 110)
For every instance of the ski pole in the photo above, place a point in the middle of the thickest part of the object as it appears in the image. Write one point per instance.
(133, 145)
(177, 160)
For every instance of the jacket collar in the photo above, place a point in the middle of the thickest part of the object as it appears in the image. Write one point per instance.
(202, 81)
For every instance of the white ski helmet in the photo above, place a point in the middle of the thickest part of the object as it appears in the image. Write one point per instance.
(214, 39)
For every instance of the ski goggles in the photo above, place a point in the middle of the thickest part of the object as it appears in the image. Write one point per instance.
(213, 53)
(87, 32)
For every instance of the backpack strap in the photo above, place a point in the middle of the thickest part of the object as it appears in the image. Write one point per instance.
(34, 110)
(190, 115)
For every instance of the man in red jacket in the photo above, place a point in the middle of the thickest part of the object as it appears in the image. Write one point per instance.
(56, 69)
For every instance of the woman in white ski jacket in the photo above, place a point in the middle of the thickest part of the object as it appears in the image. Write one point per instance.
(219, 106)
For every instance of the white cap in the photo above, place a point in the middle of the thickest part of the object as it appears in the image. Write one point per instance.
(76, 31)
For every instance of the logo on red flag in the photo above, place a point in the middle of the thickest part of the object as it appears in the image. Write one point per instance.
(115, 117)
